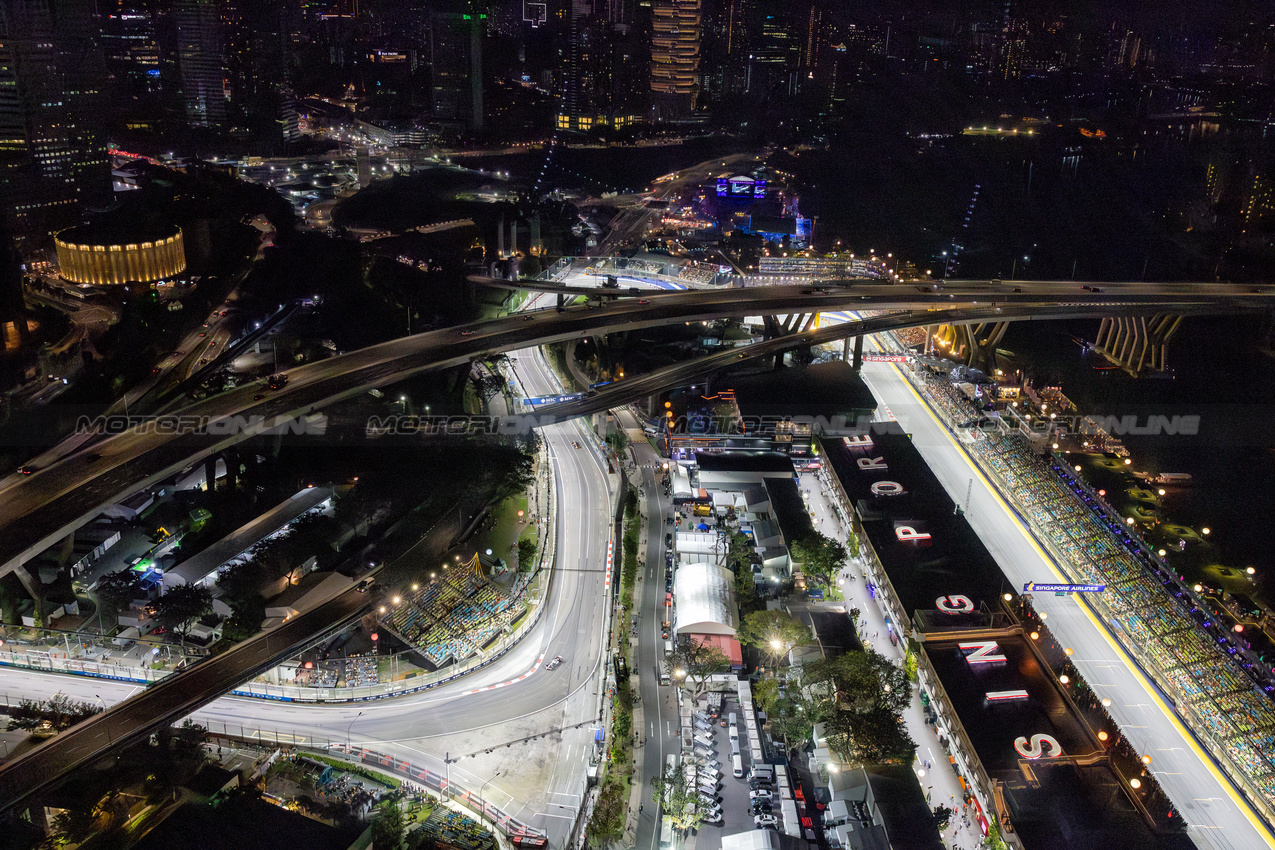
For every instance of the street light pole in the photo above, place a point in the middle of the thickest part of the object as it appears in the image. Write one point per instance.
(348, 728)
(482, 803)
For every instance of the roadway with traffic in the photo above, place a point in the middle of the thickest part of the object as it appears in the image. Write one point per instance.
(576, 623)
(516, 686)
(43, 507)
(1218, 815)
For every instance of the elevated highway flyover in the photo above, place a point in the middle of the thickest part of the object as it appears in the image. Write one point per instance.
(39, 509)
(171, 699)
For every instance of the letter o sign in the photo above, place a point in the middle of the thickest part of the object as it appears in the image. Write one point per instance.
(1036, 748)
(887, 488)
(954, 604)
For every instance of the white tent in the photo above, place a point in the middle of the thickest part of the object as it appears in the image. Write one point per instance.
(705, 600)
(753, 839)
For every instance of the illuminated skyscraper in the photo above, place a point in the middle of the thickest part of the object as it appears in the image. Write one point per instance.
(199, 60)
(456, 66)
(52, 154)
(675, 55)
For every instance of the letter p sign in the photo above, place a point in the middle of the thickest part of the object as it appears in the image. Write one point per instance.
(906, 533)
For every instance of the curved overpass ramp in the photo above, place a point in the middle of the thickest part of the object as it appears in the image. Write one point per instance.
(170, 700)
(41, 508)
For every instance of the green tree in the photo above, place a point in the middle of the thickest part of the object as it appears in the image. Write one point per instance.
(872, 737)
(864, 681)
(820, 557)
(942, 817)
(696, 663)
(241, 583)
(179, 608)
(746, 590)
(58, 713)
(793, 718)
(766, 694)
(489, 385)
(607, 823)
(117, 590)
(526, 554)
(388, 826)
(774, 632)
(676, 799)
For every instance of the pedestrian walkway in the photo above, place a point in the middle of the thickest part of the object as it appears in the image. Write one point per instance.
(937, 777)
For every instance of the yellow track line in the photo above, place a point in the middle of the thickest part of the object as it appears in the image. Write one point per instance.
(1243, 804)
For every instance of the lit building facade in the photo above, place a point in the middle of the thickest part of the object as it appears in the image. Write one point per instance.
(675, 54)
(85, 256)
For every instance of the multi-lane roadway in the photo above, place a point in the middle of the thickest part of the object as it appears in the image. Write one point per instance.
(489, 702)
(1219, 818)
(42, 507)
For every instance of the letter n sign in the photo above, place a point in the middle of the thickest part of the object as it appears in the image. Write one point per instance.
(981, 651)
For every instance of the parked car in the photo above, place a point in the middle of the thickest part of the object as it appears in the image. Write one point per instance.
(763, 821)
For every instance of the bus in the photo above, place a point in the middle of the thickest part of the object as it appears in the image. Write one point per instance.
(666, 823)
(666, 833)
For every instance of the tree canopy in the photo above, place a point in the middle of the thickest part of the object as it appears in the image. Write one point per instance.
(864, 681)
(872, 737)
(388, 826)
(696, 662)
(678, 800)
(57, 713)
(793, 716)
(820, 557)
(774, 632)
(179, 608)
(116, 590)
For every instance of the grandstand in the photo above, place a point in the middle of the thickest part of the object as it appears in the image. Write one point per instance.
(1206, 680)
(454, 617)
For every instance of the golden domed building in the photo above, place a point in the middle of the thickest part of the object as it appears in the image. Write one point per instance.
(119, 251)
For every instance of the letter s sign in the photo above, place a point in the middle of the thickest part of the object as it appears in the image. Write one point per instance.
(1036, 748)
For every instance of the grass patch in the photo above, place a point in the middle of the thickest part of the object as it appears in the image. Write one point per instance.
(359, 770)
(505, 528)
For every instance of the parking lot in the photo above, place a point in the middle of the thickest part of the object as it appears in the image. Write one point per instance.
(736, 815)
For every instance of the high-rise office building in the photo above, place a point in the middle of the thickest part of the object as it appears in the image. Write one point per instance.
(675, 55)
(775, 59)
(200, 64)
(600, 76)
(456, 66)
(131, 49)
(52, 150)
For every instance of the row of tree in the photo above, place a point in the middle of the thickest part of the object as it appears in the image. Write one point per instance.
(176, 611)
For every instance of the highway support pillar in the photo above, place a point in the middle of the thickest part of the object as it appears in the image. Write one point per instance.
(858, 352)
(845, 349)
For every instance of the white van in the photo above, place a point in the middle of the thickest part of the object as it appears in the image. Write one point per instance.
(730, 719)
(734, 732)
(668, 648)
(734, 747)
(738, 764)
